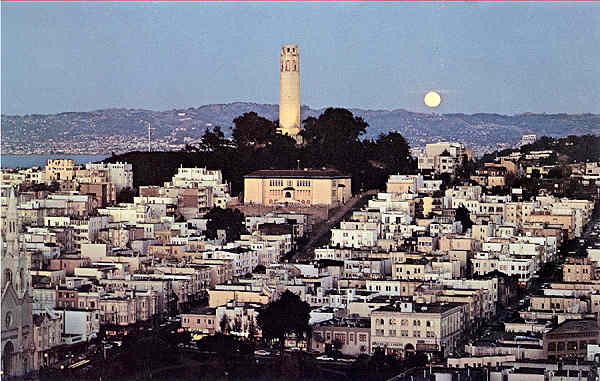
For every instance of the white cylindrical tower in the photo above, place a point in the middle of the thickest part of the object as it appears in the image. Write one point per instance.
(289, 91)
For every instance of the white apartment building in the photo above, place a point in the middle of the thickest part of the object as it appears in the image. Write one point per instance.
(243, 260)
(199, 178)
(79, 325)
(354, 238)
(119, 174)
(523, 267)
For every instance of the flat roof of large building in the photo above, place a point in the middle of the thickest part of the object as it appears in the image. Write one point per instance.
(422, 308)
(315, 173)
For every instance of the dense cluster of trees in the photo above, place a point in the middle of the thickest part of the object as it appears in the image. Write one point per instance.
(229, 220)
(334, 139)
(569, 149)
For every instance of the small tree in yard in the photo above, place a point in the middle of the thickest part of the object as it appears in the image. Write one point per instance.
(284, 316)
(224, 325)
(252, 332)
(237, 325)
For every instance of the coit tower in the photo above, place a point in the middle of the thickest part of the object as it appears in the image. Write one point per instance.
(289, 92)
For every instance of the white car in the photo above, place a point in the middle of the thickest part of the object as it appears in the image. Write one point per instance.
(325, 358)
(261, 352)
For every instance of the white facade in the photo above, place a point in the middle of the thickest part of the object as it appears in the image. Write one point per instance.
(84, 325)
(120, 174)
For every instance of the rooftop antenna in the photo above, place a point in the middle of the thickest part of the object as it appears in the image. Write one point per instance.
(149, 144)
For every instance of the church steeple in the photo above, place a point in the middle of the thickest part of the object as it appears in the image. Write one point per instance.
(12, 224)
(17, 303)
(15, 262)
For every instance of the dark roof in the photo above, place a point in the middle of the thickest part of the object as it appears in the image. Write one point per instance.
(322, 173)
(576, 325)
(329, 262)
(424, 308)
(271, 228)
(202, 311)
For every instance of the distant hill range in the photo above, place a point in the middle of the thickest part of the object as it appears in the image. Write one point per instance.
(479, 131)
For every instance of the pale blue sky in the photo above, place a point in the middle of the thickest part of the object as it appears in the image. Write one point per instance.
(483, 57)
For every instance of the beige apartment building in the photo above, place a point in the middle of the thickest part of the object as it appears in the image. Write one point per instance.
(571, 338)
(60, 169)
(201, 321)
(307, 187)
(117, 310)
(408, 327)
(559, 304)
(455, 242)
(546, 217)
(404, 183)
(412, 269)
(578, 270)
(238, 293)
(354, 335)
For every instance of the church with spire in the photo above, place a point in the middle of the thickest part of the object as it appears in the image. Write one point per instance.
(17, 320)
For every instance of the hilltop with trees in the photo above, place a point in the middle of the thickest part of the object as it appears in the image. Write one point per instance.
(333, 139)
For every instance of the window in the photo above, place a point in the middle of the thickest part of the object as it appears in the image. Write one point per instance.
(416, 333)
(362, 338)
(9, 319)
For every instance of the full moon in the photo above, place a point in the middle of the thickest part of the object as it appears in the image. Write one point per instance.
(432, 99)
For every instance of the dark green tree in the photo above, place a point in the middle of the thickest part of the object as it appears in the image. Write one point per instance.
(334, 125)
(462, 215)
(212, 140)
(252, 130)
(126, 195)
(393, 151)
(230, 220)
(284, 316)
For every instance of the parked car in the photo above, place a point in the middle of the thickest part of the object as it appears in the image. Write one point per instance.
(261, 352)
(325, 358)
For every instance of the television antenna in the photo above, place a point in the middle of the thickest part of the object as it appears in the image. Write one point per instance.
(149, 134)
